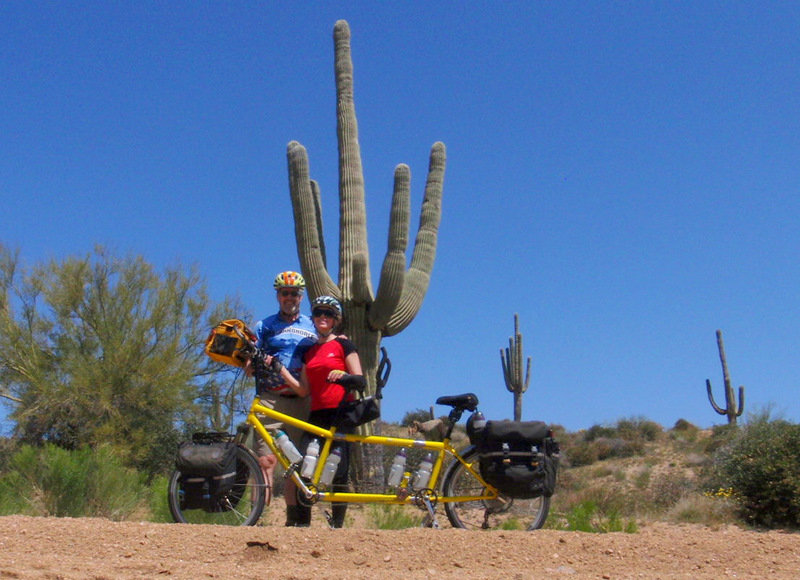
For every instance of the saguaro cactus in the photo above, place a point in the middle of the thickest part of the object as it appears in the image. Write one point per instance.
(731, 409)
(511, 359)
(369, 317)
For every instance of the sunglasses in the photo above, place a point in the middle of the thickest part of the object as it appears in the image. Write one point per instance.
(286, 293)
(317, 312)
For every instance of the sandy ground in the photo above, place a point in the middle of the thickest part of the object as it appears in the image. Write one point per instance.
(63, 548)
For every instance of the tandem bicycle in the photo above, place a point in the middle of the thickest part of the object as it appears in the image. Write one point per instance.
(503, 480)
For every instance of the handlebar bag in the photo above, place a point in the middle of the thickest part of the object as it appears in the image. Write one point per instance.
(230, 342)
(519, 458)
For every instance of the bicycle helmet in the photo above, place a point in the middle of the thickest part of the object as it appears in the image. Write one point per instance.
(289, 279)
(327, 302)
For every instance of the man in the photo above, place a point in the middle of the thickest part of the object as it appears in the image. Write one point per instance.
(283, 336)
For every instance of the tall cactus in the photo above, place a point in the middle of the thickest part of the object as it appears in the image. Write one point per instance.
(369, 317)
(511, 359)
(730, 401)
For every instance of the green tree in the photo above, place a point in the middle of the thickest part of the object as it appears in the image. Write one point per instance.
(101, 349)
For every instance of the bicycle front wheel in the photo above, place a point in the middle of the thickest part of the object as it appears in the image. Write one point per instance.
(193, 503)
(503, 513)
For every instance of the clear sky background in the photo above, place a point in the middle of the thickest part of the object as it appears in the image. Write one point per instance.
(623, 175)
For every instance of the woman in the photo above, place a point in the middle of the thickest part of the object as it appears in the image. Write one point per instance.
(331, 359)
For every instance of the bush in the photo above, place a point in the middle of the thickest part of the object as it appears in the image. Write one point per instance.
(700, 509)
(51, 481)
(588, 516)
(392, 517)
(721, 435)
(419, 415)
(760, 464)
(582, 453)
(667, 488)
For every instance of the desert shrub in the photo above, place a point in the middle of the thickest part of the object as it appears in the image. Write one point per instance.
(760, 464)
(157, 500)
(420, 415)
(391, 517)
(721, 435)
(696, 508)
(637, 429)
(641, 479)
(589, 516)
(599, 431)
(581, 453)
(11, 501)
(7, 448)
(51, 481)
(668, 487)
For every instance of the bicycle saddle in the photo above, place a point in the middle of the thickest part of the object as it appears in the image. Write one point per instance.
(465, 402)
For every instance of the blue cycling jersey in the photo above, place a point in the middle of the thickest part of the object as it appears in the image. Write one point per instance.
(286, 340)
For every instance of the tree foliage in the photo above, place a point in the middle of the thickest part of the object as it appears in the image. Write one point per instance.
(102, 349)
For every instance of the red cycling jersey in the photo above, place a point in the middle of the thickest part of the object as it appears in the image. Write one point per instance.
(321, 359)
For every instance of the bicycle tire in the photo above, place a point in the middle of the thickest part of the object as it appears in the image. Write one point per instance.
(241, 506)
(503, 513)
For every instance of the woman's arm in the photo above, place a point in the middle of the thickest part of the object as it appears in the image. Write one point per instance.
(301, 389)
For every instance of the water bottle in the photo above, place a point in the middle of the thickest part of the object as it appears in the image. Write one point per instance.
(288, 448)
(310, 460)
(331, 465)
(397, 469)
(478, 420)
(423, 474)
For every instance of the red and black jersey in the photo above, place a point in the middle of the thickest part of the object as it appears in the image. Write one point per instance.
(320, 359)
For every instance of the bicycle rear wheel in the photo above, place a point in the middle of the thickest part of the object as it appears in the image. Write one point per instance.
(503, 513)
(241, 506)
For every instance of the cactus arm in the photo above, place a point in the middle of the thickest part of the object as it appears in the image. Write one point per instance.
(527, 376)
(741, 401)
(419, 272)
(505, 361)
(393, 271)
(307, 231)
(714, 405)
(517, 356)
(317, 198)
(352, 209)
(361, 291)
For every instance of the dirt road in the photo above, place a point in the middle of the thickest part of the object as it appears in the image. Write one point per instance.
(60, 548)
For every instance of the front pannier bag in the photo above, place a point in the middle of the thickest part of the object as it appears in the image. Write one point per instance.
(519, 458)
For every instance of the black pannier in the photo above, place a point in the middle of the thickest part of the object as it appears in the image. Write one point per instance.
(208, 471)
(519, 458)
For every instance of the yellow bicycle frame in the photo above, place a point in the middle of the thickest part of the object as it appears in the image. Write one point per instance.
(442, 449)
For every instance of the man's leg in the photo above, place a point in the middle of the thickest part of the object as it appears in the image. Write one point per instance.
(296, 513)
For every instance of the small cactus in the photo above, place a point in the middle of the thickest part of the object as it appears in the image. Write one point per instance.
(731, 410)
(511, 359)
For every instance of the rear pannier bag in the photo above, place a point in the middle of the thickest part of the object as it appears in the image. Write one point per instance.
(519, 458)
(208, 470)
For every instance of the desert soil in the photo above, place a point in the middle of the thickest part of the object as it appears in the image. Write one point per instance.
(65, 548)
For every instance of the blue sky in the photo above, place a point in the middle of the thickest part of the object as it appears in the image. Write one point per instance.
(623, 175)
